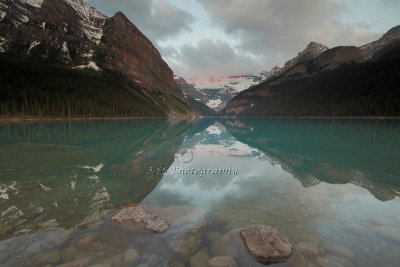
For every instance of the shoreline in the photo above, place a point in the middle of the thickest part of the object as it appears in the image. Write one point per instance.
(19, 119)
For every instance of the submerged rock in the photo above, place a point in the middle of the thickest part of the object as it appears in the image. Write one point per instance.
(307, 249)
(131, 257)
(184, 234)
(388, 232)
(200, 259)
(222, 261)
(137, 219)
(266, 244)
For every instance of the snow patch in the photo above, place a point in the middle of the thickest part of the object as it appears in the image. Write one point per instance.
(2, 41)
(213, 103)
(89, 54)
(92, 20)
(2, 15)
(91, 65)
(34, 3)
(33, 44)
(65, 47)
(43, 25)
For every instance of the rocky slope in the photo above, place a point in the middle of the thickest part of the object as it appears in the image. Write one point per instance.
(73, 33)
(342, 81)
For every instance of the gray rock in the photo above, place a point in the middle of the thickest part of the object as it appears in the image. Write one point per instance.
(222, 261)
(266, 244)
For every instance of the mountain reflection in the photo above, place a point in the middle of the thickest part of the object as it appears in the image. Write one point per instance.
(362, 152)
(63, 174)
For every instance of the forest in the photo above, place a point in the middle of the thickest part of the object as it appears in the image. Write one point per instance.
(357, 89)
(34, 87)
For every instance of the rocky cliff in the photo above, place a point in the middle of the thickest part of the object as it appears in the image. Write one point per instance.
(75, 34)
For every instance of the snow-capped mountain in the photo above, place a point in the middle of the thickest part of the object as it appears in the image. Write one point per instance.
(218, 91)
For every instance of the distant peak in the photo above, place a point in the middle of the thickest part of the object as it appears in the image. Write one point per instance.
(393, 31)
(120, 15)
(316, 45)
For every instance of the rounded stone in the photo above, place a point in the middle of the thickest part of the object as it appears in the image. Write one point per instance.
(266, 244)
(199, 259)
(131, 257)
(222, 261)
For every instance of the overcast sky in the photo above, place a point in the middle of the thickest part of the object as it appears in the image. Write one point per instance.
(211, 38)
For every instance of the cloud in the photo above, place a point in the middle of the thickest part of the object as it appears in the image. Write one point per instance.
(208, 58)
(278, 30)
(392, 2)
(157, 19)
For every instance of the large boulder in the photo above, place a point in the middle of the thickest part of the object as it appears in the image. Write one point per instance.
(135, 218)
(266, 244)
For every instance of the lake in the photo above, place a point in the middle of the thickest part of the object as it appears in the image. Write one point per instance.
(331, 186)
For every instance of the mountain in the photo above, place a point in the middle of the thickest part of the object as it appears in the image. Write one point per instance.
(71, 35)
(217, 92)
(342, 81)
(392, 37)
(312, 51)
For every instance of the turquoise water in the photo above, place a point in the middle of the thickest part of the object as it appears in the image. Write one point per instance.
(331, 186)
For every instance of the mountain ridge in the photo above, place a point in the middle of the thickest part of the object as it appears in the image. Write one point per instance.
(73, 33)
(280, 95)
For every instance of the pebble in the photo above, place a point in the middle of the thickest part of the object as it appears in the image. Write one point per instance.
(61, 238)
(212, 236)
(200, 259)
(76, 263)
(308, 249)
(131, 257)
(338, 250)
(68, 254)
(357, 230)
(49, 258)
(222, 261)
(85, 241)
(388, 232)
(34, 248)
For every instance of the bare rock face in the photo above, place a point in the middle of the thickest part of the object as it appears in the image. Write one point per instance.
(266, 244)
(137, 219)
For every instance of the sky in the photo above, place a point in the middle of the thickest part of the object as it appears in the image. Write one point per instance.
(212, 38)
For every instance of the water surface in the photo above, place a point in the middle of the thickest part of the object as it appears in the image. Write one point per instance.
(331, 186)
